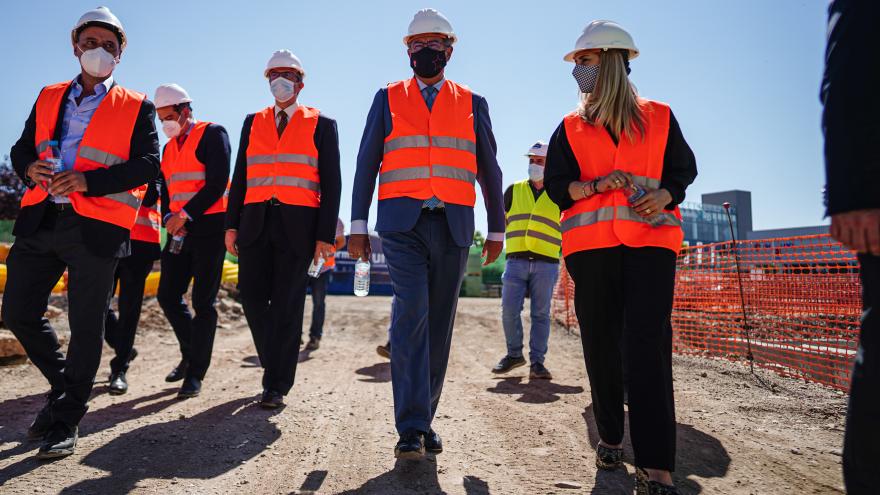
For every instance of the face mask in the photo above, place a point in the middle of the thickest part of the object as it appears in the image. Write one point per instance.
(586, 77)
(427, 63)
(171, 128)
(283, 89)
(536, 172)
(97, 62)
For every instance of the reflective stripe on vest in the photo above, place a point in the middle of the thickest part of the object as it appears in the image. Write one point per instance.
(430, 152)
(146, 226)
(184, 173)
(284, 168)
(607, 220)
(532, 225)
(106, 143)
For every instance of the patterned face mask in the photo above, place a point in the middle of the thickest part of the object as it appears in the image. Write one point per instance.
(586, 77)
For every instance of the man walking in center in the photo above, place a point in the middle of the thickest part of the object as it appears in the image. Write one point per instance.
(195, 173)
(533, 245)
(283, 209)
(428, 140)
(77, 214)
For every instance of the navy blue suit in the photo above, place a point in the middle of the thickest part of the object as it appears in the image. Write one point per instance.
(426, 253)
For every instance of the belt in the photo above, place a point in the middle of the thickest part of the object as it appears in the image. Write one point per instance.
(273, 202)
(436, 211)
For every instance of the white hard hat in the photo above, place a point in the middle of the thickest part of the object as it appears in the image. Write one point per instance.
(284, 59)
(538, 149)
(429, 21)
(100, 16)
(170, 94)
(605, 35)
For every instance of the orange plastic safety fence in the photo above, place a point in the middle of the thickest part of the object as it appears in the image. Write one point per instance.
(802, 305)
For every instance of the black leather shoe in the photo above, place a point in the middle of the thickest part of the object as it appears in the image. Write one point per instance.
(191, 387)
(508, 363)
(178, 373)
(60, 442)
(433, 442)
(133, 354)
(384, 350)
(42, 423)
(118, 383)
(314, 343)
(271, 399)
(411, 446)
(539, 372)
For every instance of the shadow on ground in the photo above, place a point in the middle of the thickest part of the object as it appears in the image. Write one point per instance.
(415, 477)
(533, 391)
(200, 447)
(377, 373)
(698, 454)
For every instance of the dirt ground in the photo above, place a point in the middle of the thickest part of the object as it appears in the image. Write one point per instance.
(502, 435)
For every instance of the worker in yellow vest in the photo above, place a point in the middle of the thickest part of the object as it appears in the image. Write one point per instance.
(533, 243)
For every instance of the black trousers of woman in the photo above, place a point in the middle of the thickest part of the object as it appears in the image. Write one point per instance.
(623, 300)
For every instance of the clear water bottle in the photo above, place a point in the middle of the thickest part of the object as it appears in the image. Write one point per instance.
(315, 268)
(175, 244)
(54, 157)
(636, 194)
(361, 278)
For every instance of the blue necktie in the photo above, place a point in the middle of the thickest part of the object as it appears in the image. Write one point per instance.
(429, 93)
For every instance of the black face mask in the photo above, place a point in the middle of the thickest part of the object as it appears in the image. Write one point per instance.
(427, 63)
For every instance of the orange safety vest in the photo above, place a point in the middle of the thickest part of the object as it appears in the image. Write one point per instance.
(146, 225)
(330, 262)
(284, 168)
(106, 143)
(184, 173)
(607, 220)
(430, 153)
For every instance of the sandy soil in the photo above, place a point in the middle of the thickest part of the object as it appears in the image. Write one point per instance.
(502, 435)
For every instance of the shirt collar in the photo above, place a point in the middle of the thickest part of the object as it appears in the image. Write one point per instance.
(436, 85)
(289, 110)
(101, 88)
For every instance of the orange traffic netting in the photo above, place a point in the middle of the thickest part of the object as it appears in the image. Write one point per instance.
(802, 305)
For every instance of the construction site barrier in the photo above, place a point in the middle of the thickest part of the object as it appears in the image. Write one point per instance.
(802, 302)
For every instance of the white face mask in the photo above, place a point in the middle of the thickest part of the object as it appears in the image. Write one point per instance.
(171, 128)
(536, 172)
(283, 89)
(97, 62)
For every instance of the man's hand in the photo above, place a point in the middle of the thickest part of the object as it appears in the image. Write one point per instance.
(858, 230)
(231, 241)
(175, 224)
(491, 251)
(39, 171)
(69, 181)
(652, 203)
(359, 247)
(322, 250)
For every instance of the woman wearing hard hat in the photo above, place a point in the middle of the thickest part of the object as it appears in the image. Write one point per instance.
(617, 167)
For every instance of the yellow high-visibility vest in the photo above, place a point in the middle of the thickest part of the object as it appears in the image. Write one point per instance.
(533, 225)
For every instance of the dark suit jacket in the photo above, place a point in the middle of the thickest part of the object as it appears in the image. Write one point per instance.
(849, 87)
(214, 153)
(101, 238)
(303, 225)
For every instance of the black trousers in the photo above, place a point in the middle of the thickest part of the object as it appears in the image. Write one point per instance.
(319, 295)
(131, 277)
(272, 280)
(201, 260)
(34, 265)
(861, 444)
(623, 300)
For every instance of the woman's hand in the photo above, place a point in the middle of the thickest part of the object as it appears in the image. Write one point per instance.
(615, 180)
(652, 203)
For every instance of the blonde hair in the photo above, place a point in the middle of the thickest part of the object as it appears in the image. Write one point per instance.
(614, 102)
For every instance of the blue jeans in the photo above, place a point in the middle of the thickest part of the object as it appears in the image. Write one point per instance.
(539, 278)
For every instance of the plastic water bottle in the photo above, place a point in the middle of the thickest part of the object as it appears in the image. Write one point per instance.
(637, 193)
(315, 268)
(176, 244)
(54, 157)
(361, 278)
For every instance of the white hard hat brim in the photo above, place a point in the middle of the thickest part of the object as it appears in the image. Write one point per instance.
(569, 57)
(452, 38)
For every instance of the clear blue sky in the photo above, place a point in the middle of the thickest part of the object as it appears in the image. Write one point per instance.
(742, 77)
